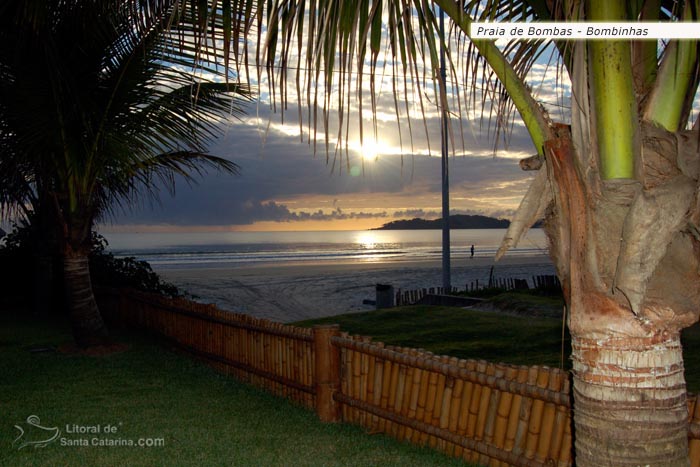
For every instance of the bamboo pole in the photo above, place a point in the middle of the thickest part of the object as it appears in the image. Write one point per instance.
(377, 394)
(344, 378)
(444, 393)
(399, 430)
(364, 380)
(327, 366)
(416, 377)
(492, 413)
(561, 419)
(445, 411)
(514, 413)
(430, 406)
(371, 370)
(474, 411)
(391, 403)
(524, 416)
(535, 425)
(419, 438)
(547, 434)
(410, 370)
(483, 411)
(455, 410)
(566, 451)
(464, 408)
(356, 364)
(265, 360)
(502, 413)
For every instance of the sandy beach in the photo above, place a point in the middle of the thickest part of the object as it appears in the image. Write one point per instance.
(293, 292)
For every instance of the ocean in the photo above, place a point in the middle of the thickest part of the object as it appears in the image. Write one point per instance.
(240, 249)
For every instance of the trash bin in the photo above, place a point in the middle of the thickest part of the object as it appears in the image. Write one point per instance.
(385, 296)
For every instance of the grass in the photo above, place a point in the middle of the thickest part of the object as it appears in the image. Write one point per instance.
(458, 332)
(491, 336)
(202, 418)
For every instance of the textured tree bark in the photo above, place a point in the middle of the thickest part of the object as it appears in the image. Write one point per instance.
(630, 404)
(88, 327)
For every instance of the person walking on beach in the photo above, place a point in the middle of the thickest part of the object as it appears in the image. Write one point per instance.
(472, 250)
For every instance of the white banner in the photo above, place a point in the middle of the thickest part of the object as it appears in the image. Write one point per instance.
(586, 30)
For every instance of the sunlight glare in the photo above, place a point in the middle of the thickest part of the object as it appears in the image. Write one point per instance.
(371, 149)
(367, 239)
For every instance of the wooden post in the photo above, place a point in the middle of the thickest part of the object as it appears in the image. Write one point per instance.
(327, 366)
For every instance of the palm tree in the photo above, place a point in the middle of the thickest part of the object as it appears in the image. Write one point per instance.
(97, 109)
(617, 187)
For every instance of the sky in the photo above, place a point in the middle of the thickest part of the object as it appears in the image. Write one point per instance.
(284, 184)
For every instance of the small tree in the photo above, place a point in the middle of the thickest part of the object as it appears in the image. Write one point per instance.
(97, 110)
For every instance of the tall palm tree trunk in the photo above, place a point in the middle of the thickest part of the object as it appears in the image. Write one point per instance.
(88, 327)
(630, 404)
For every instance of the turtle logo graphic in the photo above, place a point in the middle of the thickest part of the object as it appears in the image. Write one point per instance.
(33, 434)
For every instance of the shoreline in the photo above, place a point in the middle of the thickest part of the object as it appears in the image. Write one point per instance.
(300, 290)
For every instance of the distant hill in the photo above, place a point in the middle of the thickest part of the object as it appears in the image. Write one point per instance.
(458, 221)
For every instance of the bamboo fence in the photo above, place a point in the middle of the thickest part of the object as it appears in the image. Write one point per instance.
(546, 283)
(492, 414)
(264, 353)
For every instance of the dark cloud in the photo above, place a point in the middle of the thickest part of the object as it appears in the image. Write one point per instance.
(276, 167)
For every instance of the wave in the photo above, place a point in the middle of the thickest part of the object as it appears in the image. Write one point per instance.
(324, 247)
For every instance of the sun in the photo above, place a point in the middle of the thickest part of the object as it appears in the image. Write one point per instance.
(370, 150)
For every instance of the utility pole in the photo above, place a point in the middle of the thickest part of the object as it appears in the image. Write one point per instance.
(446, 272)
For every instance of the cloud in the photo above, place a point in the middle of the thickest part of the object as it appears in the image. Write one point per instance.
(283, 181)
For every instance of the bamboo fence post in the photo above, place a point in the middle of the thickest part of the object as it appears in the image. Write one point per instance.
(419, 438)
(311, 372)
(356, 367)
(547, 432)
(492, 414)
(377, 392)
(535, 425)
(393, 385)
(455, 406)
(430, 406)
(442, 404)
(474, 410)
(483, 414)
(364, 380)
(345, 371)
(502, 414)
(416, 378)
(463, 422)
(561, 420)
(327, 366)
(370, 385)
(397, 406)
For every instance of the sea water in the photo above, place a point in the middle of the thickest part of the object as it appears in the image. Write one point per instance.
(239, 249)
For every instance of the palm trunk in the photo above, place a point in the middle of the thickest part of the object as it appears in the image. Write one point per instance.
(88, 327)
(630, 404)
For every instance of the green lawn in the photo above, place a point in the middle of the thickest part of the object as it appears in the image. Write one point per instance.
(148, 392)
(491, 336)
